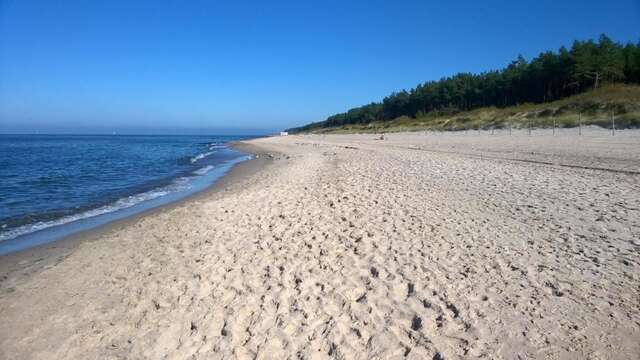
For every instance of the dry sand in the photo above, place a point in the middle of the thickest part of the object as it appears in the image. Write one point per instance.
(437, 246)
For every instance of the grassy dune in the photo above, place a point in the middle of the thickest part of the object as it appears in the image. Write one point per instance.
(591, 108)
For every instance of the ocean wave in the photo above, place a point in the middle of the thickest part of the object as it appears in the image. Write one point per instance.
(204, 170)
(201, 156)
(214, 146)
(179, 184)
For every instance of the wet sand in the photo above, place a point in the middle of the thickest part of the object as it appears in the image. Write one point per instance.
(417, 246)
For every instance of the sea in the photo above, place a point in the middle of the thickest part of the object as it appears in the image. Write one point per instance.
(52, 186)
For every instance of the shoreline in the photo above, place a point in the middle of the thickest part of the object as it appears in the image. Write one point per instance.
(40, 256)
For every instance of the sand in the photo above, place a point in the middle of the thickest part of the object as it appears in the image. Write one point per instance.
(437, 246)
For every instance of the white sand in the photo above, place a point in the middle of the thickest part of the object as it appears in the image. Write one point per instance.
(419, 246)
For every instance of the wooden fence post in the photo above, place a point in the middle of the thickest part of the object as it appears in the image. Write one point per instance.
(579, 124)
(613, 123)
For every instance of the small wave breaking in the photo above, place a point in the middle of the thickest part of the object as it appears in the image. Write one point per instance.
(204, 170)
(179, 184)
(214, 146)
(201, 156)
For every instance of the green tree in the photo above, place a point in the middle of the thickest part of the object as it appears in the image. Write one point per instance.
(599, 62)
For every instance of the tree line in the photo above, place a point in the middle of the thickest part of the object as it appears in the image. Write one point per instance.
(549, 76)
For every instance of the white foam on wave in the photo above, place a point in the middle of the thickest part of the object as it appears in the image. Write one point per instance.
(204, 170)
(215, 145)
(201, 156)
(179, 184)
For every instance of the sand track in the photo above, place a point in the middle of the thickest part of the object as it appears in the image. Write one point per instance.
(348, 248)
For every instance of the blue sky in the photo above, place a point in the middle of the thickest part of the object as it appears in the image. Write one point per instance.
(238, 66)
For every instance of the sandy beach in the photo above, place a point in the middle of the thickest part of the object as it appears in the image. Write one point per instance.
(419, 246)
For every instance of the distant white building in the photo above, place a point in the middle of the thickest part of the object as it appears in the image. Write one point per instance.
(283, 133)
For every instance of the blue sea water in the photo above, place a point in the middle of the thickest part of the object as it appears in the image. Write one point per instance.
(54, 185)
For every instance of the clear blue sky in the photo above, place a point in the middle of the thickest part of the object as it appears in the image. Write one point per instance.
(159, 66)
